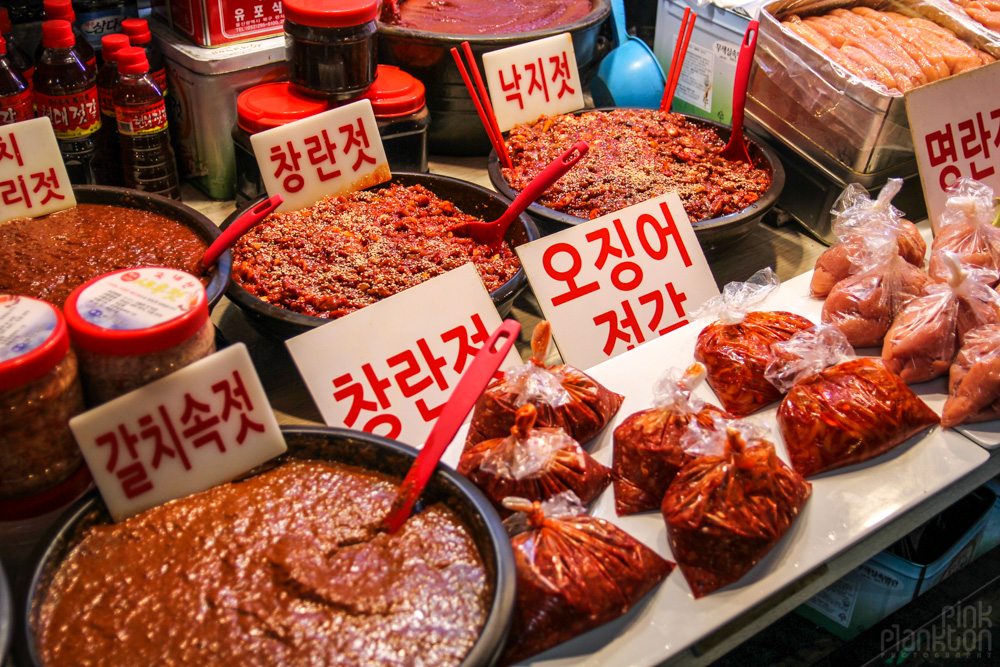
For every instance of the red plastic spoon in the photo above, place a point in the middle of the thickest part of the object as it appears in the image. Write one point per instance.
(736, 149)
(464, 396)
(491, 233)
(238, 228)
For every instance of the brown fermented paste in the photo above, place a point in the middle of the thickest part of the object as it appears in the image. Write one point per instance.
(287, 567)
(49, 257)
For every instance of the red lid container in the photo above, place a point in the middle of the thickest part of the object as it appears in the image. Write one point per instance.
(59, 9)
(37, 349)
(394, 93)
(58, 34)
(137, 31)
(330, 13)
(271, 105)
(112, 44)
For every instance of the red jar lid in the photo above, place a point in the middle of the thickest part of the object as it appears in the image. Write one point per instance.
(137, 30)
(57, 34)
(136, 311)
(5, 24)
(331, 13)
(33, 340)
(50, 500)
(394, 93)
(59, 9)
(112, 44)
(270, 105)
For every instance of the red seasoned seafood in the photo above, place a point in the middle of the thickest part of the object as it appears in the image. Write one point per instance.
(737, 354)
(849, 413)
(574, 573)
(726, 511)
(563, 396)
(534, 464)
(974, 379)
(966, 228)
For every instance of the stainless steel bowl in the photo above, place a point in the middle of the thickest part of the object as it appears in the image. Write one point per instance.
(711, 233)
(280, 324)
(363, 450)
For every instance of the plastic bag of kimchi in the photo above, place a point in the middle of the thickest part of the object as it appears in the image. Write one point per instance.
(533, 463)
(727, 508)
(864, 304)
(574, 573)
(848, 413)
(924, 336)
(974, 379)
(647, 452)
(966, 227)
(564, 397)
(736, 348)
(861, 225)
(807, 352)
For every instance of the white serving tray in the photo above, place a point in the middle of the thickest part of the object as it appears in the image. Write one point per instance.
(846, 506)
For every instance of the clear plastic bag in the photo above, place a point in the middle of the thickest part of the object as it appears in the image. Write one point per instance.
(564, 397)
(974, 379)
(729, 506)
(574, 573)
(647, 452)
(535, 463)
(966, 228)
(806, 353)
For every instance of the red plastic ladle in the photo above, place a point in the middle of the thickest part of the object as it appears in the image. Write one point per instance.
(736, 149)
(463, 397)
(491, 233)
(238, 228)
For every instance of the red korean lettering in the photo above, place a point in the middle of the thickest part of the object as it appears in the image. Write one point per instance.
(658, 247)
(616, 328)
(289, 161)
(12, 191)
(202, 430)
(941, 150)
(111, 440)
(356, 138)
(995, 115)
(48, 181)
(561, 74)
(404, 377)
(513, 85)
(974, 139)
(322, 150)
(150, 430)
(467, 351)
(348, 388)
(656, 298)
(134, 479)
(537, 81)
(567, 275)
(625, 276)
(9, 149)
(235, 396)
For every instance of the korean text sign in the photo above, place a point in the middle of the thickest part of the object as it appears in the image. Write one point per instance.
(197, 427)
(33, 179)
(528, 80)
(956, 133)
(390, 367)
(612, 283)
(331, 153)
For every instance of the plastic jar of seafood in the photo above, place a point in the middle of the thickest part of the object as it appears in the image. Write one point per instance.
(133, 326)
(330, 46)
(39, 392)
(398, 104)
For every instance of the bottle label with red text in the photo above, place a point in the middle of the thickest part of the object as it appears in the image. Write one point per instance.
(106, 97)
(146, 119)
(72, 116)
(16, 108)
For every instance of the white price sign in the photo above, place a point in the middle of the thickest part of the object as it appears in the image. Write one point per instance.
(528, 80)
(390, 367)
(956, 133)
(613, 283)
(332, 153)
(33, 179)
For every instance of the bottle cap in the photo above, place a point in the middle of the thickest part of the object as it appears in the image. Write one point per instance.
(5, 24)
(112, 44)
(270, 105)
(59, 9)
(57, 34)
(132, 60)
(137, 30)
(331, 13)
(136, 311)
(394, 93)
(3, 46)
(33, 339)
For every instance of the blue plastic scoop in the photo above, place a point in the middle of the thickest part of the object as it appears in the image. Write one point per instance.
(630, 75)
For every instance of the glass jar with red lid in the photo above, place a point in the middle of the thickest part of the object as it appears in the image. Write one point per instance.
(330, 46)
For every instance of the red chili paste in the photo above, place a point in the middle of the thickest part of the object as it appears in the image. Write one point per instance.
(485, 17)
(347, 252)
(635, 155)
(49, 257)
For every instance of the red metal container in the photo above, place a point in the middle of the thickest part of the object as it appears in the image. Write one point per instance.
(217, 22)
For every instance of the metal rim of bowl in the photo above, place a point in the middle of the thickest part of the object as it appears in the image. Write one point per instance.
(718, 226)
(6, 615)
(485, 651)
(600, 10)
(260, 308)
(171, 208)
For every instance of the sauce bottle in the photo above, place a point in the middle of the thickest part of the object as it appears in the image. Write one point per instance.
(147, 158)
(24, 63)
(15, 94)
(63, 10)
(65, 90)
(139, 35)
(111, 172)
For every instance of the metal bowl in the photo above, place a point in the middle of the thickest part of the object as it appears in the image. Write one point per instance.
(355, 448)
(712, 232)
(175, 210)
(455, 126)
(6, 616)
(280, 324)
